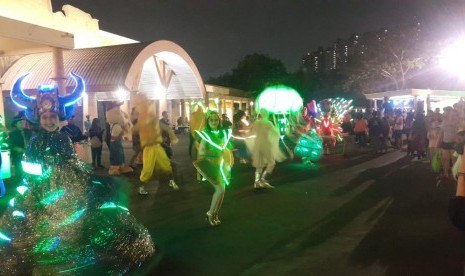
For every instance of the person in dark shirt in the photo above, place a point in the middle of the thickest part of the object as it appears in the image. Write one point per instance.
(166, 144)
(73, 131)
(225, 122)
(107, 134)
(375, 131)
(388, 107)
(96, 142)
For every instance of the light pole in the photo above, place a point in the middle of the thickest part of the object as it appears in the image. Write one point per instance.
(452, 58)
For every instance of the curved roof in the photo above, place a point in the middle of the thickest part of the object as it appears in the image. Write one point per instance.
(135, 67)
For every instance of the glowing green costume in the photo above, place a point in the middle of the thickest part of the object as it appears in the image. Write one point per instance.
(215, 163)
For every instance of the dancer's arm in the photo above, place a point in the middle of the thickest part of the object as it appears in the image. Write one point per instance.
(202, 148)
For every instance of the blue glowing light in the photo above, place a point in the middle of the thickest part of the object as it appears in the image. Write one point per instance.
(4, 237)
(47, 87)
(12, 202)
(19, 214)
(73, 217)
(108, 205)
(21, 189)
(52, 197)
(80, 96)
(31, 168)
(21, 91)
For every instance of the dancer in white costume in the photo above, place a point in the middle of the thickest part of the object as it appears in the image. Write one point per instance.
(266, 150)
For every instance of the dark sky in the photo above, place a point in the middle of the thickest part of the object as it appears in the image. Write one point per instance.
(218, 33)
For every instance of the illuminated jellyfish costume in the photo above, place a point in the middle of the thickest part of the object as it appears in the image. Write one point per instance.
(62, 221)
(280, 104)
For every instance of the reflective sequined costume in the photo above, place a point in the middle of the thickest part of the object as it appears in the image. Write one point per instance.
(63, 221)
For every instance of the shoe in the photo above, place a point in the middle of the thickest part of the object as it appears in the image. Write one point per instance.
(142, 191)
(211, 219)
(216, 219)
(173, 185)
(258, 185)
(113, 170)
(264, 184)
(243, 161)
(125, 169)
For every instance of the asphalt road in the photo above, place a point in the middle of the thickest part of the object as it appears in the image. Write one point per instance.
(362, 215)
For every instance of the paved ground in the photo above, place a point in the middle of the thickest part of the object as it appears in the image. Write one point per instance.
(361, 215)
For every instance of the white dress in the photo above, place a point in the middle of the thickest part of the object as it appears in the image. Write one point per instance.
(265, 151)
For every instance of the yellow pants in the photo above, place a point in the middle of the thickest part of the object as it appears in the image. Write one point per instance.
(155, 162)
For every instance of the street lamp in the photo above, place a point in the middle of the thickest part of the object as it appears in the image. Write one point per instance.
(452, 58)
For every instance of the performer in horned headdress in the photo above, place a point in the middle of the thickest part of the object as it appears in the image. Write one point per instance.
(62, 220)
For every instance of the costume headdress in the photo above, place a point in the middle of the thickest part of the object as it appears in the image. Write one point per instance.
(47, 99)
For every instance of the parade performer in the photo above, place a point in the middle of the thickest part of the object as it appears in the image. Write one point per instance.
(266, 150)
(197, 122)
(117, 130)
(241, 129)
(62, 220)
(309, 113)
(326, 132)
(155, 161)
(214, 162)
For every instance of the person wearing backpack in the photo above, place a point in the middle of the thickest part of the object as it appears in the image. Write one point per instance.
(96, 143)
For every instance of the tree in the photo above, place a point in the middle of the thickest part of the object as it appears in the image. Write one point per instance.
(391, 60)
(253, 73)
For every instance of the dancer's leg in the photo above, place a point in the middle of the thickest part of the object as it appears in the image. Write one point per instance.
(215, 205)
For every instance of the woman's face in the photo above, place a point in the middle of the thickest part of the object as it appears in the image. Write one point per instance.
(49, 121)
(213, 121)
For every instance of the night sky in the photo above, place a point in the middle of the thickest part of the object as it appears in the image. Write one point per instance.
(219, 33)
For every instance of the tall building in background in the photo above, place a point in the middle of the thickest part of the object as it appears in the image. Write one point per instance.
(320, 61)
(353, 49)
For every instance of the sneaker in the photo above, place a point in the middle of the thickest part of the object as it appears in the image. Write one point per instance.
(243, 161)
(173, 185)
(142, 191)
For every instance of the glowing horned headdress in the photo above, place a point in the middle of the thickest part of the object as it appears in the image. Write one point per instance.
(47, 99)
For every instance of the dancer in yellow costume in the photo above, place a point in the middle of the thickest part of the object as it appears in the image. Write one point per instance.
(214, 162)
(155, 160)
(197, 123)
